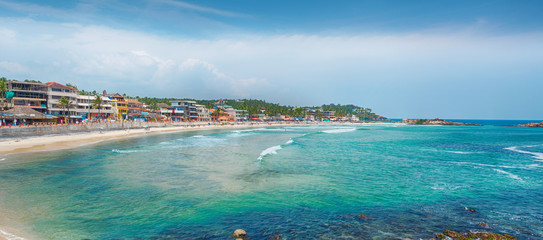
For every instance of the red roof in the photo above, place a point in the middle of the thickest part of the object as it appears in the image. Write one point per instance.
(58, 85)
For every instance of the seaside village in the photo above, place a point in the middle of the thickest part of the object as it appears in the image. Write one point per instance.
(34, 103)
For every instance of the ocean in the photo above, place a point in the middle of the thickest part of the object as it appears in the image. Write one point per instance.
(314, 182)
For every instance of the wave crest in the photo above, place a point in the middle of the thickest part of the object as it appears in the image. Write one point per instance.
(269, 151)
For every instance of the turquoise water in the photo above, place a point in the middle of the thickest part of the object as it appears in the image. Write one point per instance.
(291, 182)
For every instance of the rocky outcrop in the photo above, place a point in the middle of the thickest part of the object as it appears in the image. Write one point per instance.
(530, 125)
(448, 234)
(436, 121)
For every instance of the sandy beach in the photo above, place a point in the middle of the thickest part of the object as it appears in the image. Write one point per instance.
(57, 142)
(64, 141)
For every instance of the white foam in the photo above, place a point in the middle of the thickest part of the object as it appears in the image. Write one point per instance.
(9, 236)
(125, 151)
(536, 155)
(268, 151)
(2, 159)
(198, 136)
(513, 176)
(459, 152)
(290, 141)
(339, 130)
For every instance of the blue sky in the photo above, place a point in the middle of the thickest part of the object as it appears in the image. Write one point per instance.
(403, 59)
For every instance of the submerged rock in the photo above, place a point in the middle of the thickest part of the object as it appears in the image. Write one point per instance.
(362, 216)
(483, 225)
(470, 209)
(448, 234)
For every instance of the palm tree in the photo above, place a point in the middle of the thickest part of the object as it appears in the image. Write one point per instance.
(217, 113)
(3, 87)
(3, 90)
(97, 104)
(65, 103)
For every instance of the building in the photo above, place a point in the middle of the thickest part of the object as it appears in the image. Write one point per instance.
(134, 108)
(328, 114)
(86, 109)
(187, 108)
(203, 113)
(29, 94)
(242, 115)
(56, 91)
(119, 105)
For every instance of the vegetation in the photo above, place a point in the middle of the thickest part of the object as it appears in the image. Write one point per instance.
(154, 101)
(65, 103)
(71, 85)
(33, 81)
(3, 87)
(96, 103)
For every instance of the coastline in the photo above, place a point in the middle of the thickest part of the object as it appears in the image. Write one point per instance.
(52, 142)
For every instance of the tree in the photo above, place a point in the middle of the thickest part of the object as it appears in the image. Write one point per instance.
(96, 103)
(3, 87)
(65, 103)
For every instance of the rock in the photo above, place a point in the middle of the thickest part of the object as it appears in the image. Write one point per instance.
(437, 121)
(484, 225)
(470, 209)
(530, 125)
(448, 234)
(453, 234)
(440, 236)
(362, 216)
(239, 234)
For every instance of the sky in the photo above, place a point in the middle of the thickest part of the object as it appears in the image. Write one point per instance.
(403, 59)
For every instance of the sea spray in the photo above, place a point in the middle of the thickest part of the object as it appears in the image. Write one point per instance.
(268, 151)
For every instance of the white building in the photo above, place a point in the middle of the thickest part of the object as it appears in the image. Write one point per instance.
(55, 91)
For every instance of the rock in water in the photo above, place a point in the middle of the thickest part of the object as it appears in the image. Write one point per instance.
(448, 234)
(239, 234)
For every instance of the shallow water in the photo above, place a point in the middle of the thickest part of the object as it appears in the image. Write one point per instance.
(292, 182)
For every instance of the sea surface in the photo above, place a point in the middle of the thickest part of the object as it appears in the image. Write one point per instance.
(315, 182)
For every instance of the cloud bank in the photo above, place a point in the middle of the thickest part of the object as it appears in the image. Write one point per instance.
(397, 75)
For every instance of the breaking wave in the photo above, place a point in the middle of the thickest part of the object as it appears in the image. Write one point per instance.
(269, 151)
(536, 155)
(339, 130)
(126, 151)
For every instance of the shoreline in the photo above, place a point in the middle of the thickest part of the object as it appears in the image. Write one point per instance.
(59, 141)
(52, 142)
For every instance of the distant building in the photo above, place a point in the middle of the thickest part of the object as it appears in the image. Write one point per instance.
(87, 111)
(328, 114)
(119, 105)
(242, 116)
(203, 113)
(29, 94)
(56, 91)
(186, 110)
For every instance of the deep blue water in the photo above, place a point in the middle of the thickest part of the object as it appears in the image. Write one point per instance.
(288, 182)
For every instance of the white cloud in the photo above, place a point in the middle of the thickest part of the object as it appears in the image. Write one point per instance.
(12, 67)
(408, 69)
